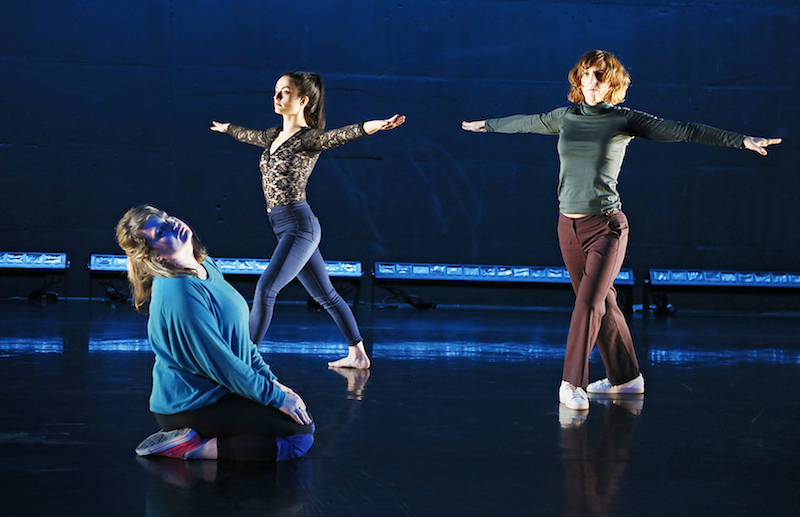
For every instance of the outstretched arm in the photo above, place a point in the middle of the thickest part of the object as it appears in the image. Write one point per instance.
(257, 137)
(373, 126)
(477, 126)
(324, 139)
(540, 124)
(758, 144)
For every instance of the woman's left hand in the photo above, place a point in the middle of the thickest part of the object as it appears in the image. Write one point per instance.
(293, 405)
(391, 123)
(758, 144)
(373, 126)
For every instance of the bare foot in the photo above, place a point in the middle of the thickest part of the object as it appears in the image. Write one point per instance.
(356, 380)
(356, 358)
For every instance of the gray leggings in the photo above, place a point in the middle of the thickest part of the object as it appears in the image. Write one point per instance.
(297, 256)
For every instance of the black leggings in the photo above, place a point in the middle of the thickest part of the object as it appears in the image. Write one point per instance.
(245, 430)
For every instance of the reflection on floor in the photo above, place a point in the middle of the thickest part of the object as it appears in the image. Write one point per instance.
(458, 416)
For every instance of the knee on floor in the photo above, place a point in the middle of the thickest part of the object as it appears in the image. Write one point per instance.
(293, 447)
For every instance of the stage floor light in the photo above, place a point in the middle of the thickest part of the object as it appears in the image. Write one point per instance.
(233, 266)
(246, 266)
(33, 260)
(482, 273)
(108, 263)
(722, 278)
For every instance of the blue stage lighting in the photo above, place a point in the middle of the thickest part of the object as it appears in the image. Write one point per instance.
(233, 266)
(482, 273)
(108, 263)
(33, 260)
(720, 278)
(241, 266)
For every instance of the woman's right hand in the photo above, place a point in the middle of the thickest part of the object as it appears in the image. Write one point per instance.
(477, 126)
(293, 405)
(219, 127)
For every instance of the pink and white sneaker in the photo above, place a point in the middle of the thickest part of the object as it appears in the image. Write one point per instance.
(174, 444)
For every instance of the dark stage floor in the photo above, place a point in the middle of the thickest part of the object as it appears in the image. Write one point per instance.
(458, 417)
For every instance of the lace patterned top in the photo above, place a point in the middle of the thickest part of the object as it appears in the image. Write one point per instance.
(285, 173)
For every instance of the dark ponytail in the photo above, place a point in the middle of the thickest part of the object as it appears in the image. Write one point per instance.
(310, 84)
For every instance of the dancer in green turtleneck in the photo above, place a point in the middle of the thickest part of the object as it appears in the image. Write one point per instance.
(592, 229)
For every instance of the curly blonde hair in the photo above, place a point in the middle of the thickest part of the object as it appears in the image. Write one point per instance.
(143, 262)
(615, 74)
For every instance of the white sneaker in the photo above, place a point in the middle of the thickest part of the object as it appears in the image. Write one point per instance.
(572, 397)
(635, 386)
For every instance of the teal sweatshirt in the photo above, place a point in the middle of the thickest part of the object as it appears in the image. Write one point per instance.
(200, 335)
(592, 141)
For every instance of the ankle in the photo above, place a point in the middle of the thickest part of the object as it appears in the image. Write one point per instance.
(207, 450)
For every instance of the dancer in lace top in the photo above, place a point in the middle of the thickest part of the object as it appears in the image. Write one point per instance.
(290, 153)
(285, 172)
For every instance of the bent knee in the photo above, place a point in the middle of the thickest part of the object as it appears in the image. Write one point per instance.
(591, 307)
(267, 292)
(294, 446)
(328, 299)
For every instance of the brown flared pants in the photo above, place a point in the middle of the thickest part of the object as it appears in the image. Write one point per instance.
(593, 249)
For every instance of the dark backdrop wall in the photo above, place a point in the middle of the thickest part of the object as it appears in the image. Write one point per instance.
(107, 104)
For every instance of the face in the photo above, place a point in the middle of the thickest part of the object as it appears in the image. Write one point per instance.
(594, 89)
(168, 236)
(286, 100)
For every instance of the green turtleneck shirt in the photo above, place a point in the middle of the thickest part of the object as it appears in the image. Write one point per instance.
(592, 141)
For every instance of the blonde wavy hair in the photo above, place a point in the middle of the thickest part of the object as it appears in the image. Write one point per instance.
(615, 75)
(143, 261)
